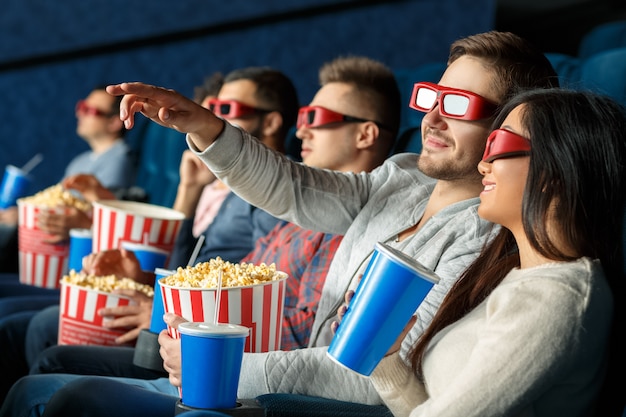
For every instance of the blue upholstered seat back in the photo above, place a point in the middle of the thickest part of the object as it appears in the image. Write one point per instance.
(602, 38)
(158, 165)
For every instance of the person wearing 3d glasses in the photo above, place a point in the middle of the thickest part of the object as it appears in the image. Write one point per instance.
(422, 205)
(526, 328)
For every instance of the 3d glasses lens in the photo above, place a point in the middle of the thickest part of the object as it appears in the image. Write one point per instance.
(455, 105)
(425, 98)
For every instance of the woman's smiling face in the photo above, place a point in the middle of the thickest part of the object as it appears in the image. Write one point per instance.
(504, 180)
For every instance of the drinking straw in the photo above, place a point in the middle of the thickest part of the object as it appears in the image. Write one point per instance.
(218, 298)
(196, 250)
(34, 161)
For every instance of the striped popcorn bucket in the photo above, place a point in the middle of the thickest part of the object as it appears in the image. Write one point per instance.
(258, 307)
(116, 221)
(79, 323)
(41, 264)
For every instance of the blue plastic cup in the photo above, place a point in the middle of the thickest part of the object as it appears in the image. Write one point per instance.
(156, 321)
(211, 356)
(392, 288)
(15, 184)
(149, 257)
(80, 246)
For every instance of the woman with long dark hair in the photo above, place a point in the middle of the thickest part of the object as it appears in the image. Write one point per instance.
(525, 331)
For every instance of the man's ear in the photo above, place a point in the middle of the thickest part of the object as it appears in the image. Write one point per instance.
(367, 135)
(272, 123)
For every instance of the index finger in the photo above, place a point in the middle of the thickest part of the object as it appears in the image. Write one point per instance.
(144, 98)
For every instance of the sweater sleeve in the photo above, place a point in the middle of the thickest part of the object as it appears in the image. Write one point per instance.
(535, 343)
(399, 387)
(304, 371)
(286, 189)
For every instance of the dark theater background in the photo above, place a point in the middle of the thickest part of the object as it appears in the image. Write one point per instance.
(53, 53)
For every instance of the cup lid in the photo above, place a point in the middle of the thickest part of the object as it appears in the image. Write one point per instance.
(162, 272)
(208, 329)
(136, 246)
(16, 171)
(81, 232)
(406, 260)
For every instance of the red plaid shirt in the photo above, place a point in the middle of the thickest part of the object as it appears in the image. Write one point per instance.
(305, 256)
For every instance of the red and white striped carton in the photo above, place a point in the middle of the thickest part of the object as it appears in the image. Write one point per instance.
(79, 323)
(259, 307)
(116, 221)
(41, 264)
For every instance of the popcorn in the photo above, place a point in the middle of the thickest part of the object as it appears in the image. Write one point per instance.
(206, 274)
(106, 283)
(55, 196)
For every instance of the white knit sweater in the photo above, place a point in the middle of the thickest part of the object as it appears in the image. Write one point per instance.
(535, 347)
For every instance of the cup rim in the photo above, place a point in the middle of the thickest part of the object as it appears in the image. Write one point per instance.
(17, 170)
(164, 271)
(398, 256)
(137, 208)
(138, 246)
(79, 232)
(203, 329)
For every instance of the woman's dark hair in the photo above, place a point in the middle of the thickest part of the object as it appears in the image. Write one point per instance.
(576, 181)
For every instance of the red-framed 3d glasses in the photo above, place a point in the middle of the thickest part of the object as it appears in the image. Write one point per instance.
(232, 109)
(453, 103)
(317, 116)
(85, 109)
(503, 143)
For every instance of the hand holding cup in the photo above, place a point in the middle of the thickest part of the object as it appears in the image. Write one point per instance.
(341, 311)
(387, 297)
(170, 350)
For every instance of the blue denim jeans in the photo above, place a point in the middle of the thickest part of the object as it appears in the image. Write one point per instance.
(12, 359)
(56, 394)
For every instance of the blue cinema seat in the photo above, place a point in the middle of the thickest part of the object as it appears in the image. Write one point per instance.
(159, 150)
(567, 68)
(605, 73)
(603, 37)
